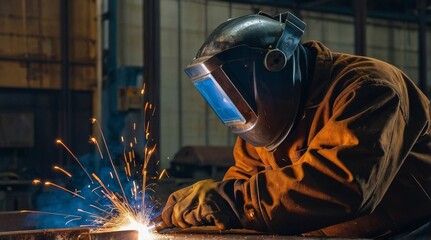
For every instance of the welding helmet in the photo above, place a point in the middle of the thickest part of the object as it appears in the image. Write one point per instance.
(248, 72)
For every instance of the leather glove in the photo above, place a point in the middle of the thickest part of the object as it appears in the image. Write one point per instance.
(203, 203)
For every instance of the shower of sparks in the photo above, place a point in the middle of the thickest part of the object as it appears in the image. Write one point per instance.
(50, 213)
(94, 140)
(119, 213)
(110, 158)
(163, 173)
(48, 183)
(37, 181)
(62, 170)
(74, 157)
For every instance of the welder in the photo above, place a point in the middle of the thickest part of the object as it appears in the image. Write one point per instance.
(329, 144)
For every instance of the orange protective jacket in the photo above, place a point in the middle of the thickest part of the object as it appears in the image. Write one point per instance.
(356, 164)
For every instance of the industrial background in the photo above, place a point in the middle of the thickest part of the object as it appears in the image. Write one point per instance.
(63, 62)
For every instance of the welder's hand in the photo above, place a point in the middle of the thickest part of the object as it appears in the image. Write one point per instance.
(200, 204)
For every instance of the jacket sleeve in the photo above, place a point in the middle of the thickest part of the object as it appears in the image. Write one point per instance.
(344, 173)
(247, 162)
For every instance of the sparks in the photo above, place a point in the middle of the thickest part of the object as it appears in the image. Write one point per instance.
(48, 183)
(110, 158)
(94, 140)
(163, 173)
(36, 181)
(74, 157)
(51, 213)
(118, 213)
(128, 222)
(127, 218)
(62, 170)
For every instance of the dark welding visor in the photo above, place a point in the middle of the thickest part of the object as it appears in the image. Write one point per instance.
(226, 82)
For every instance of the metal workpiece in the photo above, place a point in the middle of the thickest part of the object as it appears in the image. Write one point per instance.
(24, 226)
(193, 233)
(113, 235)
(46, 234)
(210, 232)
(69, 234)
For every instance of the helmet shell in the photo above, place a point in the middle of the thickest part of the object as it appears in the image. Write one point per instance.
(275, 95)
(253, 30)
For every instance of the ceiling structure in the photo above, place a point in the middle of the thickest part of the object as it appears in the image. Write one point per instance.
(388, 9)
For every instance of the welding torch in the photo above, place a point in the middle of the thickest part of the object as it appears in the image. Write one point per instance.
(158, 225)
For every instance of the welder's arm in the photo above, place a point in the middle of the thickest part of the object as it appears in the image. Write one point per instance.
(214, 203)
(247, 162)
(206, 202)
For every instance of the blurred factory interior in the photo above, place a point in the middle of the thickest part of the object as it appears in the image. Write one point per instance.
(64, 62)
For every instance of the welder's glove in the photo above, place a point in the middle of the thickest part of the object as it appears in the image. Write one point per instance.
(206, 202)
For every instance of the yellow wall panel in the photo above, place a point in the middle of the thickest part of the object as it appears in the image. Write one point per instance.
(30, 33)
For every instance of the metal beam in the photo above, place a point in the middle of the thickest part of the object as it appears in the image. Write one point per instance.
(422, 45)
(151, 40)
(180, 72)
(65, 103)
(360, 16)
(44, 61)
